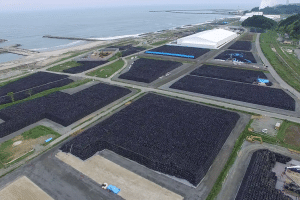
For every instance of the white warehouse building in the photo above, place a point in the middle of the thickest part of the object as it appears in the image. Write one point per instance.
(211, 39)
(247, 15)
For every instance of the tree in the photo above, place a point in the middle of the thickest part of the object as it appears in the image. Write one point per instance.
(11, 95)
(258, 21)
(29, 92)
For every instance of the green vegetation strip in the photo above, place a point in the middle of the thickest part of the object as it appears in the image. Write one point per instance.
(72, 56)
(19, 159)
(107, 70)
(34, 133)
(12, 80)
(286, 65)
(278, 140)
(66, 65)
(47, 92)
(160, 42)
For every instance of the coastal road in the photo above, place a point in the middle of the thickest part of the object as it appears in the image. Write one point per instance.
(282, 83)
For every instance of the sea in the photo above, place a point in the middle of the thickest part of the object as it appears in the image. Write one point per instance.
(28, 27)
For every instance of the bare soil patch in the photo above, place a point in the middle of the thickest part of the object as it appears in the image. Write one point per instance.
(292, 135)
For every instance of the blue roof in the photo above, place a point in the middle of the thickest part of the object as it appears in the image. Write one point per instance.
(114, 189)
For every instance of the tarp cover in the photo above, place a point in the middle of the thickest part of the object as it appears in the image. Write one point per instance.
(48, 140)
(263, 80)
(114, 189)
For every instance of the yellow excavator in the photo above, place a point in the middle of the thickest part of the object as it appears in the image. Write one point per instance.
(253, 138)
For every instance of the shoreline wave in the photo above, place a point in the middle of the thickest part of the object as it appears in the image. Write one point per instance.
(63, 46)
(116, 37)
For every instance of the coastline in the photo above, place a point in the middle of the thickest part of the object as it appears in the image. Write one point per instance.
(47, 57)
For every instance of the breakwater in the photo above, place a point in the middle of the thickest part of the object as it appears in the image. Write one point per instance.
(70, 38)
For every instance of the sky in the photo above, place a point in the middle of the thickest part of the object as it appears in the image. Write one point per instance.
(62, 4)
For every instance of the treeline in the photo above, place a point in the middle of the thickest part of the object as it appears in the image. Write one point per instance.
(277, 10)
(259, 21)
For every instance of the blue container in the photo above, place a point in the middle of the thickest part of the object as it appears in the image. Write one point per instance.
(114, 189)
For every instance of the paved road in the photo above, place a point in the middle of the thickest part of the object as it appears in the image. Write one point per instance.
(59, 180)
(194, 98)
(282, 83)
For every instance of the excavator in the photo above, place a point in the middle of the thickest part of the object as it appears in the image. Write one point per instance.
(253, 138)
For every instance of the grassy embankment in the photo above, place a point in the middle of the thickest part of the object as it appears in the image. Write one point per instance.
(160, 42)
(10, 154)
(108, 70)
(66, 65)
(71, 56)
(278, 140)
(285, 64)
(47, 92)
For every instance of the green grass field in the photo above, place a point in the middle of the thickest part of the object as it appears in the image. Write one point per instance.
(6, 150)
(61, 67)
(286, 65)
(38, 132)
(107, 71)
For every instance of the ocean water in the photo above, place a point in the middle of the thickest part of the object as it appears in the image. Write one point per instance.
(28, 27)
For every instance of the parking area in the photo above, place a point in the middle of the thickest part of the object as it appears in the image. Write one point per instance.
(267, 124)
(132, 185)
(23, 189)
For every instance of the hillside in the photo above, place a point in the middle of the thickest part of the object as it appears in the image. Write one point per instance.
(291, 25)
(259, 22)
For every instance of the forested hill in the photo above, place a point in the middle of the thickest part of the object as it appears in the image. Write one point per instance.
(291, 25)
(258, 21)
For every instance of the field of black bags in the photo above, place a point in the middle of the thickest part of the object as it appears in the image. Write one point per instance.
(188, 51)
(239, 56)
(85, 65)
(241, 45)
(148, 70)
(128, 49)
(228, 73)
(259, 181)
(59, 107)
(174, 137)
(32, 84)
(249, 93)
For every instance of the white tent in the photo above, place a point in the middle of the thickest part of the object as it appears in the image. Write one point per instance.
(211, 39)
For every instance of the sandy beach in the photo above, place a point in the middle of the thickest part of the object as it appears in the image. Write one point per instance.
(45, 58)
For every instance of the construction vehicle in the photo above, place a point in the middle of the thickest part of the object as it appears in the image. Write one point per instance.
(252, 139)
(293, 168)
(251, 129)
